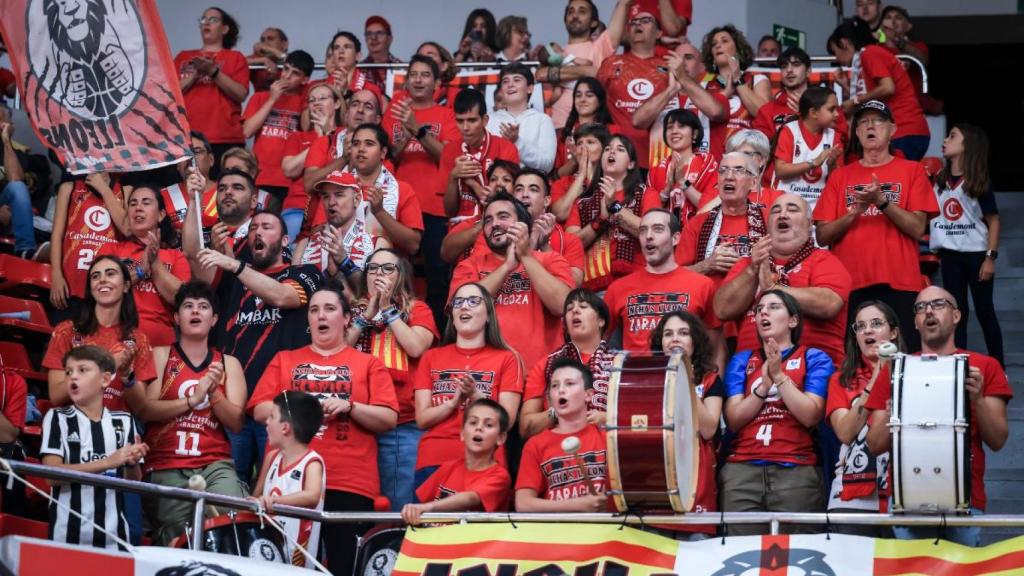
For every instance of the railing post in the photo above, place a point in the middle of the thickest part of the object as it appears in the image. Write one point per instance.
(197, 524)
(775, 526)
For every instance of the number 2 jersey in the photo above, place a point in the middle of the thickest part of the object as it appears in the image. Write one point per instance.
(775, 435)
(89, 227)
(196, 438)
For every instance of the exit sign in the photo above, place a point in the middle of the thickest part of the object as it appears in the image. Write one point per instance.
(789, 37)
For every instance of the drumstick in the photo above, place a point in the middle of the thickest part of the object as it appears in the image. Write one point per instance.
(198, 483)
(571, 446)
(199, 207)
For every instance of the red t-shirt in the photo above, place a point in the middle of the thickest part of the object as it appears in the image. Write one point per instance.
(994, 383)
(156, 315)
(537, 382)
(876, 63)
(297, 141)
(495, 371)
(385, 347)
(196, 438)
(734, 232)
(554, 475)
(601, 268)
(65, 337)
(492, 148)
(820, 270)
(630, 81)
(873, 249)
(269, 143)
(208, 108)
(738, 119)
(568, 245)
(526, 324)
(702, 174)
(349, 450)
(13, 393)
(492, 485)
(415, 164)
(89, 228)
(638, 301)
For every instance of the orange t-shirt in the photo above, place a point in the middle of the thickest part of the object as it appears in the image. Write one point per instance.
(269, 143)
(554, 475)
(156, 316)
(208, 108)
(525, 322)
(89, 228)
(415, 164)
(65, 337)
(734, 232)
(349, 450)
(876, 63)
(491, 484)
(638, 301)
(873, 249)
(495, 371)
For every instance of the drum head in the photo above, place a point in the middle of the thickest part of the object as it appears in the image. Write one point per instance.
(378, 551)
(684, 458)
(612, 435)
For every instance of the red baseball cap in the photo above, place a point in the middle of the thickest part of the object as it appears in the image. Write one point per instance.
(338, 178)
(644, 8)
(377, 19)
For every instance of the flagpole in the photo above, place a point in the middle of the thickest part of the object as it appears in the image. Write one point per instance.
(199, 207)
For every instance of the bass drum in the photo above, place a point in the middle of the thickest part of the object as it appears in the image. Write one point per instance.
(930, 427)
(378, 551)
(653, 444)
(240, 534)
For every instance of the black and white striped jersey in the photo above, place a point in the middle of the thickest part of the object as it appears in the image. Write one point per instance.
(71, 435)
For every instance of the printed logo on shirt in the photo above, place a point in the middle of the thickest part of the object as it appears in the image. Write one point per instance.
(515, 290)
(187, 388)
(891, 190)
(952, 209)
(325, 383)
(446, 382)
(280, 124)
(296, 474)
(73, 437)
(793, 364)
(645, 310)
(640, 88)
(564, 478)
(97, 218)
(444, 492)
(252, 312)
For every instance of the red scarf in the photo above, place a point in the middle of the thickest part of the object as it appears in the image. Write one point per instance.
(708, 239)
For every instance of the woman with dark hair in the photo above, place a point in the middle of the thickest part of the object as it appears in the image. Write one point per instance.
(589, 141)
(589, 106)
(215, 82)
(389, 322)
(686, 178)
(684, 332)
(108, 319)
(875, 74)
(775, 398)
(358, 401)
(968, 249)
(727, 54)
(157, 268)
(585, 319)
(513, 39)
(607, 218)
(473, 362)
(860, 483)
(479, 37)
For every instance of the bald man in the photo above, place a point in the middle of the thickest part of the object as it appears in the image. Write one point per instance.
(936, 315)
(787, 259)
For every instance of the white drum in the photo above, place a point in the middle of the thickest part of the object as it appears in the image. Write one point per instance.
(931, 452)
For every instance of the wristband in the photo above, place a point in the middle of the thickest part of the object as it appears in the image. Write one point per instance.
(241, 267)
(765, 397)
(129, 382)
(351, 407)
(391, 314)
(422, 132)
(216, 72)
(552, 415)
(348, 267)
(883, 206)
(359, 321)
(140, 274)
(615, 208)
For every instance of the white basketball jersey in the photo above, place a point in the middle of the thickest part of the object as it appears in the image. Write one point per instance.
(810, 184)
(283, 481)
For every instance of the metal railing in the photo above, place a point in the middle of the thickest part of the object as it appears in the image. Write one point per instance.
(773, 519)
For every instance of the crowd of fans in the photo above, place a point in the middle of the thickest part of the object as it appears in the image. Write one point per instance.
(449, 281)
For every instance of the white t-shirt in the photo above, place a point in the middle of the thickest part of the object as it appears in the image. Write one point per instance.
(537, 143)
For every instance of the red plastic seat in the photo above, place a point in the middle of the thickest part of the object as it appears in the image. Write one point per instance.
(14, 357)
(20, 277)
(34, 321)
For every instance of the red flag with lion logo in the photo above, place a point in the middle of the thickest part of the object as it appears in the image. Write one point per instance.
(98, 82)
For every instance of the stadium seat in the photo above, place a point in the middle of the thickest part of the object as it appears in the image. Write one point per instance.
(24, 278)
(14, 357)
(25, 315)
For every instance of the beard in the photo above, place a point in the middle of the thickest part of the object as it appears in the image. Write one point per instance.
(500, 244)
(269, 257)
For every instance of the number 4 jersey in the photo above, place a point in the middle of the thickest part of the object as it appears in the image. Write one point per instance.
(196, 438)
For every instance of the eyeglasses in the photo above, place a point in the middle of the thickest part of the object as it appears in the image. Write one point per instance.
(199, 151)
(376, 34)
(871, 122)
(643, 20)
(388, 268)
(771, 307)
(937, 305)
(875, 324)
(734, 170)
(466, 302)
(210, 20)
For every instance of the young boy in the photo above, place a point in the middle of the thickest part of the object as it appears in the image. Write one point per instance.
(293, 474)
(551, 480)
(476, 482)
(531, 130)
(86, 437)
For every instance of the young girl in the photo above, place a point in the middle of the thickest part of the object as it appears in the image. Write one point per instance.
(808, 148)
(686, 176)
(966, 232)
(589, 106)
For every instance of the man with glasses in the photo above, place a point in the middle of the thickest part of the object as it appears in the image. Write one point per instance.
(529, 286)
(936, 315)
(330, 152)
(788, 260)
(872, 213)
(377, 32)
(714, 241)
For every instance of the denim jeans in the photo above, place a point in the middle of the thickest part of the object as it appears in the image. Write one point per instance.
(293, 222)
(396, 460)
(16, 195)
(247, 449)
(966, 535)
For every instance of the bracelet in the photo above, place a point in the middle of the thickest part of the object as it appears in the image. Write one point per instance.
(391, 314)
(140, 274)
(552, 415)
(241, 268)
(765, 397)
(359, 321)
(216, 72)
(883, 206)
(348, 267)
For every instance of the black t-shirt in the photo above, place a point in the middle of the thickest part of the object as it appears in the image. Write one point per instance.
(253, 331)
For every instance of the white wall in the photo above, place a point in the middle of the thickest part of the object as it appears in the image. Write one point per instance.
(946, 7)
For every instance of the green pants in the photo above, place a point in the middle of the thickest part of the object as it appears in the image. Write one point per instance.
(769, 488)
(169, 516)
